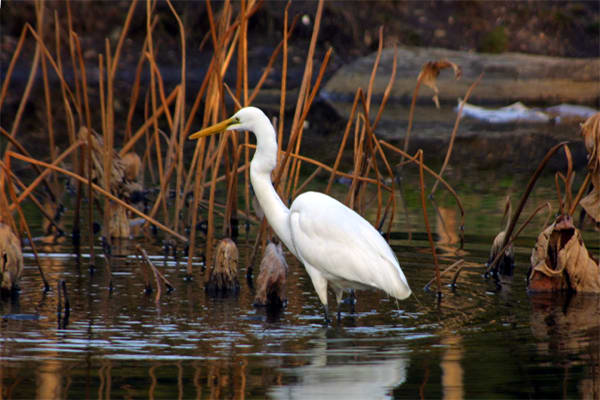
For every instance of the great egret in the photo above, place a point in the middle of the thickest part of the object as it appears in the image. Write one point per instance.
(334, 243)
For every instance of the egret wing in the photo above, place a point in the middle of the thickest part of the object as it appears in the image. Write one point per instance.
(343, 246)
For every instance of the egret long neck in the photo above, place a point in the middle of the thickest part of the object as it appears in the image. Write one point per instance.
(263, 163)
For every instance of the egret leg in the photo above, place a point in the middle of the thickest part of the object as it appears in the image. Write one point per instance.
(320, 285)
(326, 312)
(338, 296)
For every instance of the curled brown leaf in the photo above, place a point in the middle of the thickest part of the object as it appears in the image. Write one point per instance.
(431, 70)
(590, 131)
(560, 261)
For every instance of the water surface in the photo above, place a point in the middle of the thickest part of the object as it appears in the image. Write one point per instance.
(485, 339)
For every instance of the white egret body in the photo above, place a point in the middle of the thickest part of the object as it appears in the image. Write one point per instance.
(335, 244)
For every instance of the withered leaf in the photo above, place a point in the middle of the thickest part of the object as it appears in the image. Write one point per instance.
(271, 280)
(590, 131)
(560, 260)
(11, 258)
(430, 72)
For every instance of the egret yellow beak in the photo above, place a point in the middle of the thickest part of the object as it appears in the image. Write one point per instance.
(216, 128)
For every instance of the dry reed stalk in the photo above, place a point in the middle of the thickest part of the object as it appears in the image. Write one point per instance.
(180, 119)
(149, 121)
(199, 149)
(70, 121)
(99, 190)
(411, 115)
(106, 166)
(11, 66)
(581, 192)
(241, 85)
(211, 202)
(352, 198)
(558, 194)
(35, 201)
(135, 89)
(73, 52)
(455, 129)
(297, 130)
(154, 73)
(374, 72)
(312, 176)
(295, 171)
(230, 222)
(88, 150)
(330, 169)
(364, 160)
(46, 52)
(158, 276)
(26, 92)
(569, 178)
(415, 160)
(221, 35)
(282, 98)
(161, 87)
(267, 69)
(124, 30)
(42, 176)
(349, 124)
(302, 104)
(48, 102)
(24, 151)
(427, 76)
(376, 149)
(457, 264)
(388, 89)
(427, 227)
(194, 211)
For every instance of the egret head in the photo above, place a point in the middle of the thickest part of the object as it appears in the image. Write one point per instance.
(246, 119)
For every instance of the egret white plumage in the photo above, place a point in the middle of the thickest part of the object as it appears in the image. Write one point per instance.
(335, 244)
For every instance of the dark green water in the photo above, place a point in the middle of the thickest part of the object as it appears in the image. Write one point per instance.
(484, 340)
